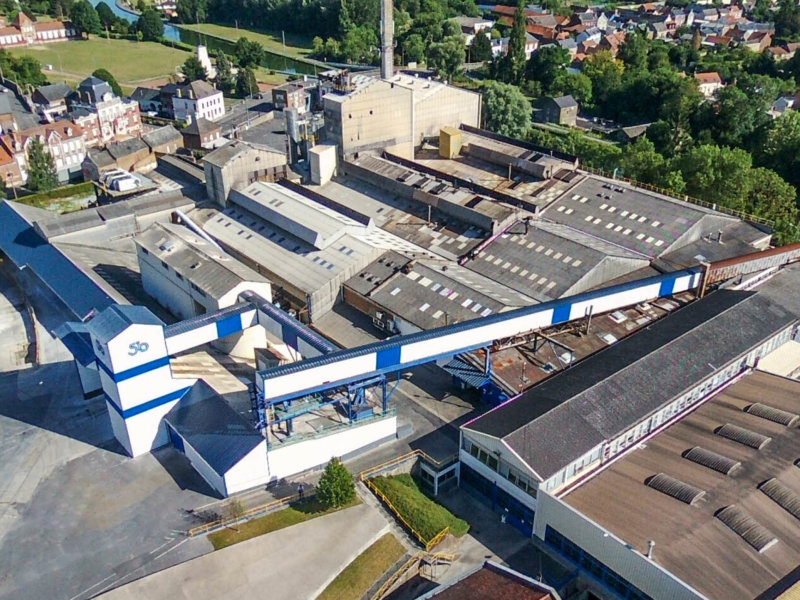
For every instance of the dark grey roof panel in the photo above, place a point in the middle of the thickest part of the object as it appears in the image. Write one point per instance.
(773, 414)
(712, 460)
(688, 494)
(213, 428)
(743, 436)
(782, 495)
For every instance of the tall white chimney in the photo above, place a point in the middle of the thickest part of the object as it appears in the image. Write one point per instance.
(387, 39)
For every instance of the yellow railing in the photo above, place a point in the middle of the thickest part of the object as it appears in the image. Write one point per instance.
(248, 514)
(417, 454)
(396, 576)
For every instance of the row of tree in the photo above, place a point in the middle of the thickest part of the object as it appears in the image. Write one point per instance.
(90, 20)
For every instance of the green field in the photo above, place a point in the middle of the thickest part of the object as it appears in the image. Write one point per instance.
(296, 45)
(304, 511)
(357, 577)
(129, 62)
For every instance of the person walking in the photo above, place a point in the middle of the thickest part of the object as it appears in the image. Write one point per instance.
(300, 491)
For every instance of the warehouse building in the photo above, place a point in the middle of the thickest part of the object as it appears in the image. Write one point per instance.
(237, 164)
(366, 114)
(190, 276)
(402, 295)
(605, 405)
(706, 508)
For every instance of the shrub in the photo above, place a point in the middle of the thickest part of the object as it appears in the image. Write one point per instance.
(336, 486)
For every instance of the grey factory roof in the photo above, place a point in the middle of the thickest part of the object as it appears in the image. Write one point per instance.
(232, 150)
(691, 543)
(162, 135)
(418, 180)
(552, 260)
(644, 222)
(213, 428)
(310, 221)
(430, 294)
(285, 256)
(616, 388)
(117, 318)
(194, 258)
(271, 134)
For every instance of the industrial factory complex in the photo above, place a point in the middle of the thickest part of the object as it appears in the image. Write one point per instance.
(630, 355)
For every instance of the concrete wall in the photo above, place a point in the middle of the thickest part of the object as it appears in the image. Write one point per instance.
(449, 106)
(296, 458)
(203, 469)
(377, 117)
(249, 472)
(256, 164)
(613, 552)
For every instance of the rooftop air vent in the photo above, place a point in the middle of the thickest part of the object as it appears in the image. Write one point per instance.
(782, 496)
(746, 527)
(712, 460)
(676, 488)
(770, 413)
(743, 436)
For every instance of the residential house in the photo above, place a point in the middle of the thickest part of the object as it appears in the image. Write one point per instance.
(657, 30)
(63, 140)
(562, 110)
(164, 140)
(202, 134)
(51, 100)
(570, 45)
(27, 31)
(627, 135)
(472, 26)
(708, 83)
(500, 45)
(757, 41)
(104, 116)
(148, 99)
(198, 100)
(593, 34)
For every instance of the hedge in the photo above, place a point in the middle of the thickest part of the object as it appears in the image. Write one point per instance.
(423, 514)
(67, 191)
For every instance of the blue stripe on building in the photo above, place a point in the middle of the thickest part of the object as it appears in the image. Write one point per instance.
(561, 313)
(149, 405)
(229, 325)
(135, 371)
(666, 288)
(388, 358)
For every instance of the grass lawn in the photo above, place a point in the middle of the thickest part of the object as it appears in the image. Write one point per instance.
(296, 45)
(287, 517)
(126, 60)
(423, 514)
(357, 577)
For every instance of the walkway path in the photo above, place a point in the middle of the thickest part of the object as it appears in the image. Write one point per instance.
(290, 564)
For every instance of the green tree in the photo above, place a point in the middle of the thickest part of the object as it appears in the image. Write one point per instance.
(641, 162)
(772, 198)
(605, 73)
(106, 15)
(336, 486)
(84, 18)
(446, 57)
(150, 25)
(110, 80)
(716, 174)
(480, 50)
(512, 65)
(547, 65)
(225, 80)
(577, 85)
(787, 19)
(732, 119)
(633, 53)
(192, 11)
(780, 149)
(41, 168)
(506, 110)
(248, 54)
(360, 45)
(246, 84)
(414, 48)
(193, 69)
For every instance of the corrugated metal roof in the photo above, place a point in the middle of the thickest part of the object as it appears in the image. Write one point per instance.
(601, 397)
(116, 319)
(213, 428)
(26, 248)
